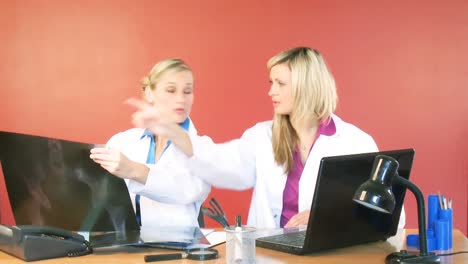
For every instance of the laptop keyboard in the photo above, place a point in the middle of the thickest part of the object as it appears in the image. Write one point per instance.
(291, 239)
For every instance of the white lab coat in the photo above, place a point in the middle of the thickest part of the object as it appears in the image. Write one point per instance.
(249, 162)
(172, 196)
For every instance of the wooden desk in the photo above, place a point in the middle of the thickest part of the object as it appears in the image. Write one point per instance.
(372, 253)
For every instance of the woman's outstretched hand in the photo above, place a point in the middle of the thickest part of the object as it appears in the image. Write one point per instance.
(152, 118)
(158, 122)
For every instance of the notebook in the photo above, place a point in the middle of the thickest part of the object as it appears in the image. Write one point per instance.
(335, 220)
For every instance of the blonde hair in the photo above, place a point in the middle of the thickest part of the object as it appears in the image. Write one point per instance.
(160, 68)
(314, 95)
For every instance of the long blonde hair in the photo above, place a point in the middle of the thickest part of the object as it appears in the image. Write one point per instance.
(314, 95)
(151, 80)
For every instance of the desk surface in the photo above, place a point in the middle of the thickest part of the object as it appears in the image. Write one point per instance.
(371, 253)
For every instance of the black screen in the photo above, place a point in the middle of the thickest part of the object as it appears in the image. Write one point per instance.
(54, 182)
(335, 219)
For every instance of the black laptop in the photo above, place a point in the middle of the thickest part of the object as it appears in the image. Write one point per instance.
(335, 219)
(53, 182)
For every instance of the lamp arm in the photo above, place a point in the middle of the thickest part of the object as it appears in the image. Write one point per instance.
(421, 211)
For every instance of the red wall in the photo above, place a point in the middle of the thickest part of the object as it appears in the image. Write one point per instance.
(67, 66)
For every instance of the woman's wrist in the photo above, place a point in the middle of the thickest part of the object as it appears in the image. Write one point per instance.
(140, 173)
(183, 142)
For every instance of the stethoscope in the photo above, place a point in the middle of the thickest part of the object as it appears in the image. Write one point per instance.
(193, 254)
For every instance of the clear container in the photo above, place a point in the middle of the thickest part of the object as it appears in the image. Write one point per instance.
(240, 244)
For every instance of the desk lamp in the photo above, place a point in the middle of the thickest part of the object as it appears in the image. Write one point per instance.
(376, 194)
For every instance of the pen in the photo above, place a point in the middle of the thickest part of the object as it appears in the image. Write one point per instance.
(238, 223)
(239, 241)
(440, 200)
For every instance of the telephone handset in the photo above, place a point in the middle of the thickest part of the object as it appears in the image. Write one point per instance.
(41, 242)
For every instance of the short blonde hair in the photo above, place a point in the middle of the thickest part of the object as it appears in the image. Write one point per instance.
(314, 94)
(161, 68)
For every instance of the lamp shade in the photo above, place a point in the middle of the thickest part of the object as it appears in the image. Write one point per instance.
(376, 193)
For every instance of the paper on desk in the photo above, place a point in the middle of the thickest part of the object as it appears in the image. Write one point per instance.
(177, 234)
(214, 238)
(206, 231)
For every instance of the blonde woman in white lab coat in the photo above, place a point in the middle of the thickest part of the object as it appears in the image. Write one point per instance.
(278, 158)
(156, 172)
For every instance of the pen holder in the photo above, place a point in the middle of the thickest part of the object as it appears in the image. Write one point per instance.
(432, 210)
(442, 234)
(240, 244)
(413, 240)
(447, 215)
(439, 227)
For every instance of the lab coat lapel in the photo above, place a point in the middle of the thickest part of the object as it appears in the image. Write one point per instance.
(324, 146)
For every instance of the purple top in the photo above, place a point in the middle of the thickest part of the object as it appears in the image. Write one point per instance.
(291, 190)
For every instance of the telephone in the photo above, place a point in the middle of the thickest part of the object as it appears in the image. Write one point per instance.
(41, 242)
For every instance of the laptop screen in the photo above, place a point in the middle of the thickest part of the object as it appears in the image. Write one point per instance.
(53, 182)
(335, 219)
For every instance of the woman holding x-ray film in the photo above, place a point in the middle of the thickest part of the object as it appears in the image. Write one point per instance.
(278, 158)
(163, 190)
